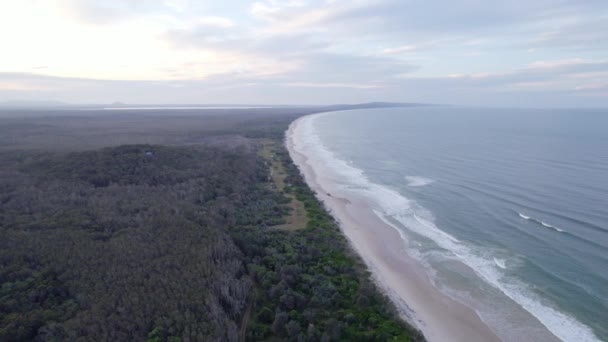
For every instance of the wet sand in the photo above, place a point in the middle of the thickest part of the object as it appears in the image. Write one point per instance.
(402, 278)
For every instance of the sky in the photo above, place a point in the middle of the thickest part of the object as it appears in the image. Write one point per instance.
(517, 53)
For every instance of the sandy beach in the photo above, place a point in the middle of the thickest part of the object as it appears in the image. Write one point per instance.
(401, 277)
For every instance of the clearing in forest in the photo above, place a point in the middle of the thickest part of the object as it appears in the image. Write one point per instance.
(297, 218)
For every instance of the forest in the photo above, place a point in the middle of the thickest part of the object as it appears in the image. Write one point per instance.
(155, 232)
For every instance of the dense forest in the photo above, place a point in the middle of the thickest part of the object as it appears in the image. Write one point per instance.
(172, 240)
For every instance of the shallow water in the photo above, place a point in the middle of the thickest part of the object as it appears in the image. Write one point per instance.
(520, 196)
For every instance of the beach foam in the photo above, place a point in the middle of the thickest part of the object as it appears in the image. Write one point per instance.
(416, 181)
(403, 279)
(500, 263)
(415, 219)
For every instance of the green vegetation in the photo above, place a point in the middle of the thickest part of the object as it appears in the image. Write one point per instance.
(172, 242)
(309, 284)
(115, 244)
(298, 215)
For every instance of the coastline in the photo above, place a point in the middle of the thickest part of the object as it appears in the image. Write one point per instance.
(387, 226)
(402, 278)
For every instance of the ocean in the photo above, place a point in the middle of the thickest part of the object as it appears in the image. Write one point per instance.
(520, 196)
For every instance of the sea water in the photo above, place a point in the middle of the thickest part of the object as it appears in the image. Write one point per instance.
(519, 196)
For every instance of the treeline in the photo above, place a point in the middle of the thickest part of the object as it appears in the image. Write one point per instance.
(158, 243)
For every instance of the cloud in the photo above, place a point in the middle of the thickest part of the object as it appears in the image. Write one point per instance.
(275, 11)
(540, 76)
(312, 59)
(207, 32)
(302, 50)
(400, 49)
(496, 90)
(333, 85)
(579, 33)
(18, 86)
(109, 12)
(342, 68)
(215, 21)
(554, 23)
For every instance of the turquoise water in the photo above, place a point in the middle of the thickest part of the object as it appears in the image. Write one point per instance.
(520, 196)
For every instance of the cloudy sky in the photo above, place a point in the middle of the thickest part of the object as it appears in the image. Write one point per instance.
(541, 53)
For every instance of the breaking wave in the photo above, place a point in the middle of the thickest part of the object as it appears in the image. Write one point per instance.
(392, 205)
(542, 223)
(416, 181)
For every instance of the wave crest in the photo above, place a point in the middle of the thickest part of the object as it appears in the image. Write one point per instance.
(542, 223)
(416, 181)
(392, 205)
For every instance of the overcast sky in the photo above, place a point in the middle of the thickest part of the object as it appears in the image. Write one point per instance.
(541, 53)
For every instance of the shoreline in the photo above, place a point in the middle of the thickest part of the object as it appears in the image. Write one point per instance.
(403, 279)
